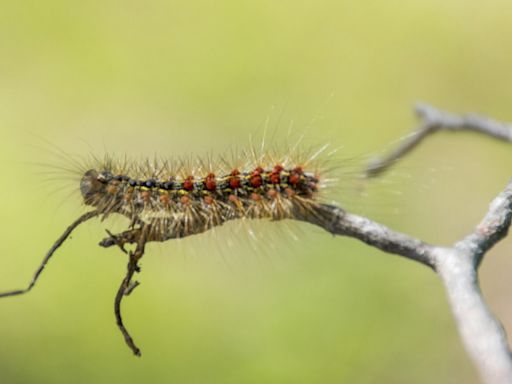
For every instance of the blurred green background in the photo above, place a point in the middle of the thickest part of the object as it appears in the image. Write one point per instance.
(181, 77)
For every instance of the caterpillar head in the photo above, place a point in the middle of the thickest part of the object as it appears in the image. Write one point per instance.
(91, 186)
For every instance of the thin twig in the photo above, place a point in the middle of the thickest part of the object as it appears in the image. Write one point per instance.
(493, 227)
(127, 287)
(55, 246)
(433, 120)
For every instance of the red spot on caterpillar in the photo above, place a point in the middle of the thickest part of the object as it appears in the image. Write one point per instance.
(275, 177)
(164, 199)
(272, 193)
(294, 179)
(295, 175)
(234, 180)
(278, 168)
(233, 198)
(256, 179)
(208, 199)
(128, 194)
(146, 195)
(185, 200)
(210, 182)
(112, 189)
(188, 184)
(289, 192)
(255, 197)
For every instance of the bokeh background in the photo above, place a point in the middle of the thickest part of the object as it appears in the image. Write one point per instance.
(183, 77)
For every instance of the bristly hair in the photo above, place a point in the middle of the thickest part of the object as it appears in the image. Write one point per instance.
(167, 198)
(183, 197)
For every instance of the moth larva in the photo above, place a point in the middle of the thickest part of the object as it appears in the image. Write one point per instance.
(166, 200)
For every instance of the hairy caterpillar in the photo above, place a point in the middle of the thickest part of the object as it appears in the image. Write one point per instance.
(166, 199)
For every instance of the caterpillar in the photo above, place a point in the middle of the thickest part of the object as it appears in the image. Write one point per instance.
(177, 207)
(165, 199)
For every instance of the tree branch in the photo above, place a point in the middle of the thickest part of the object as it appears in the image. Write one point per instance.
(433, 120)
(482, 334)
(338, 222)
(492, 228)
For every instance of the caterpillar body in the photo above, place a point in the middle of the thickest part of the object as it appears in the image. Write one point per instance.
(176, 207)
(165, 201)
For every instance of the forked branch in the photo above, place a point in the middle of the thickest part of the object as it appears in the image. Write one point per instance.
(433, 120)
(482, 334)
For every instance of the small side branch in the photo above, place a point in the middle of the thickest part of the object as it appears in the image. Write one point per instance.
(433, 120)
(127, 286)
(493, 227)
(55, 246)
